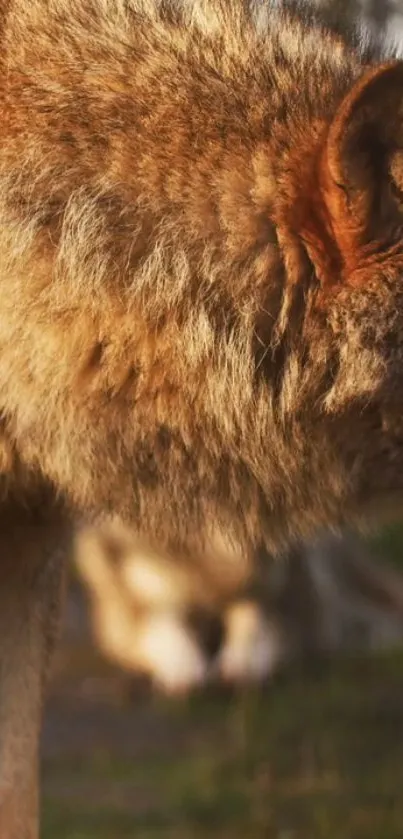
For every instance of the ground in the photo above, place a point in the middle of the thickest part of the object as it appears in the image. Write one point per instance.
(317, 755)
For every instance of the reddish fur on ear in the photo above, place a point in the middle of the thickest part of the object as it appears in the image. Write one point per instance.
(350, 221)
(370, 98)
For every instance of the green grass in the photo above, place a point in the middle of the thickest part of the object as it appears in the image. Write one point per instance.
(389, 543)
(318, 756)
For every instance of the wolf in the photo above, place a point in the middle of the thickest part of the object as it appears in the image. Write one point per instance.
(223, 617)
(183, 621)
(201, 284)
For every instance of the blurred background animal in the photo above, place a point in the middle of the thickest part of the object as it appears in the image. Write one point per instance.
(182, 620)
(225, 616)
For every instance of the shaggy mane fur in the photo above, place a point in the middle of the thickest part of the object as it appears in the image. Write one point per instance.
(179, 338)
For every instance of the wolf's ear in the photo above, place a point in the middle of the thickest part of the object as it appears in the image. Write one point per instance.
(362, 165)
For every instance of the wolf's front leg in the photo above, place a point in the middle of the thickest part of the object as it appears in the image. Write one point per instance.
(31, 582)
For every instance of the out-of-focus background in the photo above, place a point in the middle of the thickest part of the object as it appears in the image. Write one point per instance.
(233, 696)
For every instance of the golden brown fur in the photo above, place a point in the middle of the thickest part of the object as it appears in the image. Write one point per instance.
(201, 268)
(166, 197)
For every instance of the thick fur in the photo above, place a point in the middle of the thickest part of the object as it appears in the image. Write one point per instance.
(172, 339)
(201, 272)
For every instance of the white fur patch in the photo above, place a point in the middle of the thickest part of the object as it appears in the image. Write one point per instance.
(171, 655)
(150, 581)
(253, 645)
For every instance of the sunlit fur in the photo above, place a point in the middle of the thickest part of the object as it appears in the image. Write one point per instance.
(201, 276)
(184, 334)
